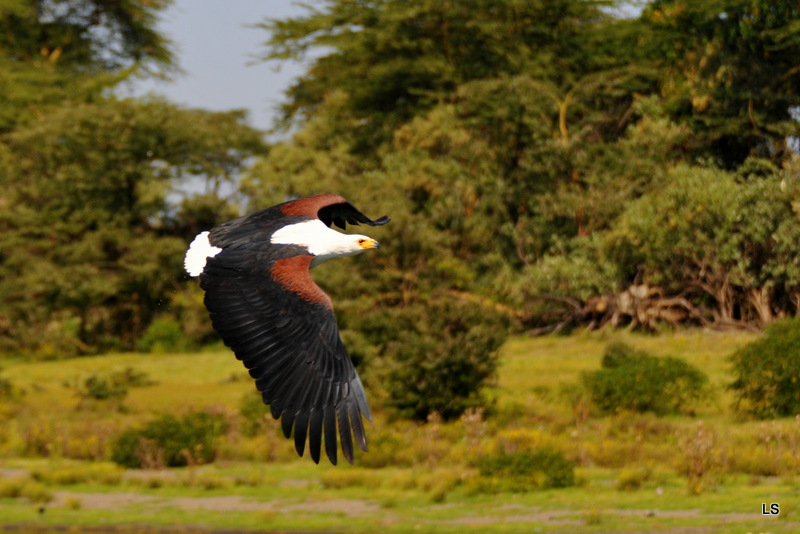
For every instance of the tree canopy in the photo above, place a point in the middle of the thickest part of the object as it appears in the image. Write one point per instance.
(95, 212)
(521, 152)
(551, 163)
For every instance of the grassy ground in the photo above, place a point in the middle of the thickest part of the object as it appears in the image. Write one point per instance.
(710, 472)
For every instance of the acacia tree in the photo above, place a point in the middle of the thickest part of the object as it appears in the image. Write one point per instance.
(394, 60)
(91, 247)
(52, 52)
(729, 71)
(90, 238)
(728, 240)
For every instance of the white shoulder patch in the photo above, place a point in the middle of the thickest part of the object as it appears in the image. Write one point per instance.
(312, 234)
(322, 242)
(199, 251)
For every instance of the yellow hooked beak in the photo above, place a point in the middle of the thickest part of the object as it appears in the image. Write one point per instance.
(368, 243)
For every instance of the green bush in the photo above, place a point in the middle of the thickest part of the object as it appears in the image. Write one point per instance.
(525, 471)
(638, 381)
(437, 355)
(163, 334)
(254, 413)
(740, 227)
(8, 392)
(12, 488)
(767, 372)
(170, 442)
(62, 475)
(112, 385)
(100, 387)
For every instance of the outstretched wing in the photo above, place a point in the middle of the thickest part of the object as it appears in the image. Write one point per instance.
(281, 325)
(330, 209)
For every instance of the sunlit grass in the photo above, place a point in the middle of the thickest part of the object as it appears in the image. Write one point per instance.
(183, 381)
(531, 366)
(630, 474)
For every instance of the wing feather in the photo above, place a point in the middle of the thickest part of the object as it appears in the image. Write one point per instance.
(343, 213)
(345, 432)
(300, 432)
(315, 434)
(358, 425)
(330, 209)
(329, 420)
(287, 419)
(291, 347)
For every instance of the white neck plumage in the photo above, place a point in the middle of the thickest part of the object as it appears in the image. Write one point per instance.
(322, 242)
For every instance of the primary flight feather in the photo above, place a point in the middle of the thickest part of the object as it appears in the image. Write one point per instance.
(280, 324)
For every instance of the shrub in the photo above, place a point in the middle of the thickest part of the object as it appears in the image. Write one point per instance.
(170, 441)
(636, 380)
(254, 413)
(130, 377)
(767, 372)
(36, 493)
(112, 385)
(632, 478)
(7, 390)
(100, 387)
(11, 488)
(445, 354)
(703, 460)
(163, 334)
(99, 473)
(26, 488)
(525, 471)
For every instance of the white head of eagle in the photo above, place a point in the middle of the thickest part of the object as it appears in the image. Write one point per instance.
(280, 324)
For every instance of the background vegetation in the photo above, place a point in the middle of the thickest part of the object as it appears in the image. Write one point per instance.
(541, 455)
(548, 166)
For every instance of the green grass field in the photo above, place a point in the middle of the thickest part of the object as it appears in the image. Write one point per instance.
(710, 472)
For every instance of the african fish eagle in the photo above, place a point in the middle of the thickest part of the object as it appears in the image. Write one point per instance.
(280, 324)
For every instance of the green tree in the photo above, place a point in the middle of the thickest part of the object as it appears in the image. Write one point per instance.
(95, 190)
(533, 149)
(636, 380)
(727, 240)
(729, 71)
(767, 371)
(477, 127)
(395, 60)
(91, 246)
(53, 51)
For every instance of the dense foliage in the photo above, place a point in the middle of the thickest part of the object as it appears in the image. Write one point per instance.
(94, 222)
(767, 371)
(545, 163)
(170, 441)
(634, 380)
(447, 351)
(538, 160)
(525, 470)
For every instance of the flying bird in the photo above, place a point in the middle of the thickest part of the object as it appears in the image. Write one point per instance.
(280, 324)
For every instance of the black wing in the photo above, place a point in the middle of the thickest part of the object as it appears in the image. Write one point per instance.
(291, 345)
(343, 213)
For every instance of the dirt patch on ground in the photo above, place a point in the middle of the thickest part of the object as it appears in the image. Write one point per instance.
(101, 501)
(564, 519)
(7, 472)
(224, 503)
(362, 508)
(573, 517)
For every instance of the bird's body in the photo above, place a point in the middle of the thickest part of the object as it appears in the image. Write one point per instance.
(267, 308)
